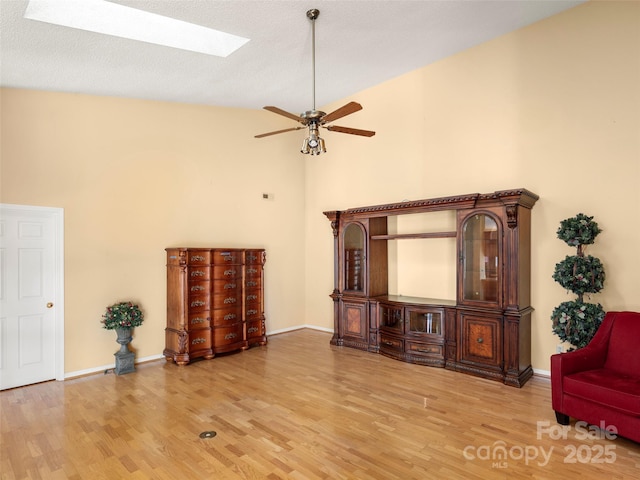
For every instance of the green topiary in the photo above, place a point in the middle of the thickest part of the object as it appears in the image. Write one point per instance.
(580, 275)
(576, 322)
(578, 230)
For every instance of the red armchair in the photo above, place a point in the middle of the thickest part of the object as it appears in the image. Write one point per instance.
(600, 383)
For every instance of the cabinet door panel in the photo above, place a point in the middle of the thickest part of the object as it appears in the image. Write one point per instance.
(355, 325)
(481, 339)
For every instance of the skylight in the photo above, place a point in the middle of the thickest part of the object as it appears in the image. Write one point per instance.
(118, 20)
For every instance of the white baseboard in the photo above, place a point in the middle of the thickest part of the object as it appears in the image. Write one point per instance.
(104, 368)
(300, 327)
(542, 373)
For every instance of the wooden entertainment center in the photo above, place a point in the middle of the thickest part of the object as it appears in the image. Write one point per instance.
(485, 331)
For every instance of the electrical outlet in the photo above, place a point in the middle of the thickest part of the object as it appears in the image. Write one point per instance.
(267, 196)
(559, 348)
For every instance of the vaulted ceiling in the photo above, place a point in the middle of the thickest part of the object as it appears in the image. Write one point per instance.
(358, 44)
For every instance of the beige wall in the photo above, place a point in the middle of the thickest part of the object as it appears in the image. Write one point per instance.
(553, 108)
(135, 177)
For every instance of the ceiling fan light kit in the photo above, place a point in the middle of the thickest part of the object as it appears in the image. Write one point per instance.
(313, 119)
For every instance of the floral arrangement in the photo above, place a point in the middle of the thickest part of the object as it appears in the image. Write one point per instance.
(576, 322)
(122, 315)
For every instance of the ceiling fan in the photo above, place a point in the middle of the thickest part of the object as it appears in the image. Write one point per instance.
(314, 119)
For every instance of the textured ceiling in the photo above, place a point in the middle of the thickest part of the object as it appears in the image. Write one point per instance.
(358, 44)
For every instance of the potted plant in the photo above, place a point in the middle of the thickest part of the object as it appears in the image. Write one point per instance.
(577, 321)
(122, 317)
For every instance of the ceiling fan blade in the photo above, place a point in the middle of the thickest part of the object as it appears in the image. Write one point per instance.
(343, 111)
(278, 131)
(279, 111)
(352, 131)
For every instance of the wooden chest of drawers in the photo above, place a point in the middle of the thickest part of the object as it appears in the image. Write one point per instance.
(215, 302)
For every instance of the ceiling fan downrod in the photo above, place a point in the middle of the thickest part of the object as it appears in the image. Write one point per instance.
(312, 15)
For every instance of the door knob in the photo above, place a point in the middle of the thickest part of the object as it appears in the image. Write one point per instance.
(50, 305)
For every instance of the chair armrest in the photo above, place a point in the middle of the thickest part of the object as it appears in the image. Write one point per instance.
(586, 358)
(590, 357)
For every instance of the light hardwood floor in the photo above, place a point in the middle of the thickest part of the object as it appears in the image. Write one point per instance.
(301, 409)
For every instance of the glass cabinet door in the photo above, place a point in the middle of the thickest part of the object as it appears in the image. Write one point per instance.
(425, 321)
(391, 318)
(480, 259)
(354, 262)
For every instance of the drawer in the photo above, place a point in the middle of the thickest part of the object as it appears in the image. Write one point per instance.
(198, 273)
(426, 349)
(227, 257)
(228, 335)
(199, 320)
(228, 272)
(253, 282)
(254, 257)
(254, 329)
(200, 339)
(252, 297)
(228, 299)
(391, 344)
(199, 287)
(253, 271)
(222, 286)
(252, 312)
(198, 257)
(176, 256)
(226, 316)
(198, 303)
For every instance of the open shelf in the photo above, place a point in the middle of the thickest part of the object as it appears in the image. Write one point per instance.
(399, 236)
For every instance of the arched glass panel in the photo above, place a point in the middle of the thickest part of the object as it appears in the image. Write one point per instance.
(481, 259)
(354, 257)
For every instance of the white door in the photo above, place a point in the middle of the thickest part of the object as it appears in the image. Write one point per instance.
(31, 320)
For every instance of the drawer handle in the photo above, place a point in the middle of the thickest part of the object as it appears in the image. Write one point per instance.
(252, 258)
(198, 320)
(252, 330)
(196, 341)
(228, 286)
(197, 303)
(230, 316)
(252, 270)
(197, 258)
(390, 344)
(252, 312)
(252, 297)
(230, 336)
(197, 273)
(228, 258)
(197, 288)
(480, 340)
(230, 272)
(424, 350)
(230, 300)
